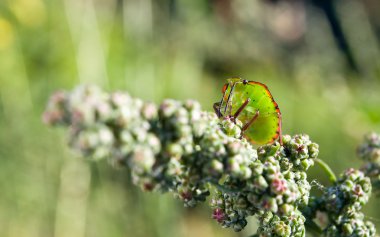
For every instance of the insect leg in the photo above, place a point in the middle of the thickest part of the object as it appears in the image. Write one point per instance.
(230, 102)
(216, 107)
(221, 102)
(230, 109)
(229, 97)
(247, 125)
(241, 108)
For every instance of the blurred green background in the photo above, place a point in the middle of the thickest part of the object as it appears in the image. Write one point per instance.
(320, 59)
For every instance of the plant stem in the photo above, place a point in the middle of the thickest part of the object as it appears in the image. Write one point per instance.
(327, 169)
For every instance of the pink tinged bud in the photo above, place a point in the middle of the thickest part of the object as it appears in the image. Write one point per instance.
(195, 116)
(321, 219)
(51, 117)
(58, 97)
(270, 204)
(103, 109)
(218, 215)
(149, 111)
(350, 171)
(77, 116)
(278, 186)
(235, 147)
(358, 191)
(119, 99)
(266, 204)
(300, 148)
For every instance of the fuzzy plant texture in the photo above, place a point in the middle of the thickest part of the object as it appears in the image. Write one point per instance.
(178, 148)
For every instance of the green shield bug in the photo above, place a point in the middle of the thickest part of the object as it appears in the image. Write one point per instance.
(252, 103)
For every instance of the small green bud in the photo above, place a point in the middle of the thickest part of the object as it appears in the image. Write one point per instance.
(269, 204)
(260, 183)
(174, 150)
(142, 159)
(149, 111)
(281, 229)
(286, 209)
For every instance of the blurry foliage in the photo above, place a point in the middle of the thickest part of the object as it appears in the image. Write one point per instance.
(159, 49)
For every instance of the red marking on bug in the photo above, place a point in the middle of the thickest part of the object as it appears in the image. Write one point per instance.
(224, 87)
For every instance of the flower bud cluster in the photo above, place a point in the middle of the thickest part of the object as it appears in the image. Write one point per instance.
(285, 170)
(231, 209)
(339, 209)
(351, 191)
(369, 151)
(86, 111)
(343, 203)
(301, 151)
(350, 223)
(196, 151)
(277, 184)
(281, 226)
(174, 147)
